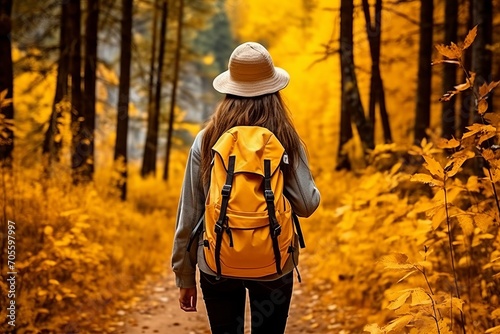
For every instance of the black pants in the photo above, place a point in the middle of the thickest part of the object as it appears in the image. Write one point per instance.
(225, 303)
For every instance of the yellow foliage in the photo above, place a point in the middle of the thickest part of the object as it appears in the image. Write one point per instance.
(83, 252)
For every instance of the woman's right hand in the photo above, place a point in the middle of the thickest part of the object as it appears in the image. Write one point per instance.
(187, 299)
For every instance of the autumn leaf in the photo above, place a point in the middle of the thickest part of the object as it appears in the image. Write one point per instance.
(478, 128)
(471, 36)
(485, 88)
(493, 119)
(396, 261)
(451, 51)
(483, 221)
(445, 143)
(420, 297)
(438, 216)
(407, 275)
(398, 324)
(426, 179)
(466, 223)
(493, 330)
(463, 86)
(433, 166)
(458, 88)
(373, 329)
(484, 137)
(482, 107)
(400, 300)
(457, 160)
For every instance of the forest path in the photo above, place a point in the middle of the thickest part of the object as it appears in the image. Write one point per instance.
(159, 312)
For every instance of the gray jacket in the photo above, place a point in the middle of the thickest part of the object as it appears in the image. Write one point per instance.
(300, 190)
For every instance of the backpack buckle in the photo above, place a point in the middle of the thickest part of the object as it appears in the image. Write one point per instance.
(269, 195)
(277, 230)
(218, 227)
(226, 190)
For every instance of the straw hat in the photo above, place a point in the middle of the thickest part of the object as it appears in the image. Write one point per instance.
(251, 73)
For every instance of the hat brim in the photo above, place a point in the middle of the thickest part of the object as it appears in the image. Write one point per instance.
(223, 83)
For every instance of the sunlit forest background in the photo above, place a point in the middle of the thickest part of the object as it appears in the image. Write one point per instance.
(395, 99)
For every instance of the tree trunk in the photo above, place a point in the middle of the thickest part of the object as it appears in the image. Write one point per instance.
(423, 107)
(351, 107)
(123, 96)
(466, 98)
(6, 84)
(450, 70)
(52, 143)
(377, 95)
(87, 134)
(174, 89)
(74, 16)
(151, 146)
(482, 16)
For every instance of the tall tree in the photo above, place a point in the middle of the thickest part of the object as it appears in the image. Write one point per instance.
(75, 71)
(151, 146)
(482, 16)
(423, 105)
(377, 93)
(52, 143)
(466, 105)
(175, 80)
(86, 143)
(351, 106)
(448, 121)
(6, 84)
(123, 96)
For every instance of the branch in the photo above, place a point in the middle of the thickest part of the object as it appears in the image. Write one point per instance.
(404, 16)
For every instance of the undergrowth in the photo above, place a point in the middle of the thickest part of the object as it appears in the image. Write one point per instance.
(80, 252)
(414, 241)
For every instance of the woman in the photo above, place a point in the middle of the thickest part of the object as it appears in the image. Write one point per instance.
(252, 86)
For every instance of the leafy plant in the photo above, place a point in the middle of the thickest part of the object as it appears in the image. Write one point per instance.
(460, 293)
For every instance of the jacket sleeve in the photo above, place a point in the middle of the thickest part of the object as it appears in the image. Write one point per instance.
(300, 188)
(190, 208)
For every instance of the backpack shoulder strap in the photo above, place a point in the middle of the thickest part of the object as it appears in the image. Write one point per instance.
(273, 222)
(220, 225)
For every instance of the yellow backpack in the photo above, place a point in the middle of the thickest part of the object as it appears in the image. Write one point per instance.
(248, 222)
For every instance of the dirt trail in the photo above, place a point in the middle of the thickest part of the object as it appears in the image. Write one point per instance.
(159, 312)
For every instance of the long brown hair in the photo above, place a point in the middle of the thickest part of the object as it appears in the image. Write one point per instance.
(268, 111)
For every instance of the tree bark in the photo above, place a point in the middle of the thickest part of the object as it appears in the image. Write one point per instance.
(351, 106)
(423, 106)
(377, 94)
(151, 146)
(52, 143)
(466, 98)
(123, 96)
(482, 16)
(74, 30)
(174, 89)
(448, 118)
(6, 84)
(86, 144)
